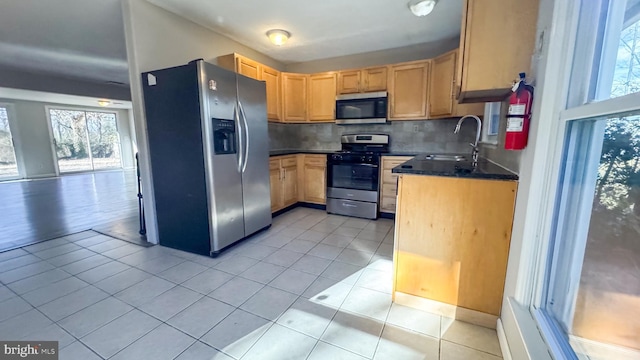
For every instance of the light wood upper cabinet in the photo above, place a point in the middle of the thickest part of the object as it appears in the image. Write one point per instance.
(442, 101)
(441, 86)
(452, 240)
(258, 71)
(408, 84)
(272, 79)
(362, 80)
(496, 43)
(248, 67)
(375, 79)
(322, 97)
(294, 97)
(348, 82)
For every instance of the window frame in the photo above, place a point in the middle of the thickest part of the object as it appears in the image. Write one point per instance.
(559, 108)
(17, 142)
(48, 109)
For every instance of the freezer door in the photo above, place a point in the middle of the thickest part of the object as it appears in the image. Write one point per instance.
(224, 182)
(255, 167)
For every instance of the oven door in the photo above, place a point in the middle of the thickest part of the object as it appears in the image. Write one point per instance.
(352, 176)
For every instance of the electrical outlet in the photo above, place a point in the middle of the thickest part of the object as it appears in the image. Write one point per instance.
(416, 128)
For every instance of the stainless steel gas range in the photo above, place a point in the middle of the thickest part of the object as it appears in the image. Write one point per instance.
(353, 175)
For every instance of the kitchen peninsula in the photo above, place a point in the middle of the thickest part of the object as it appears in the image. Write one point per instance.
(452, 237)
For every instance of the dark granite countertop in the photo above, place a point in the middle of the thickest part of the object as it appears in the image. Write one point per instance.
(464, 169)
(293, 152)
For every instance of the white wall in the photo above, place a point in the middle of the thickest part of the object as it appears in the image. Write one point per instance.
(34, 142)
(157, 39)
(374, 58)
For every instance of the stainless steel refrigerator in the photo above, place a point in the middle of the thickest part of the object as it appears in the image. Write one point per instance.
(208, 144)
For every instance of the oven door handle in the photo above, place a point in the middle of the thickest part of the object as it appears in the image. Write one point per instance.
(331, 162)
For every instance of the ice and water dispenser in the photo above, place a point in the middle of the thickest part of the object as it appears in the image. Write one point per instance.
(224, 136)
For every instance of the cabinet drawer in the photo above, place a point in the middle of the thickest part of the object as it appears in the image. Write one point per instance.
(388, 177)
(391, 162)
(274, 164)
(388, 204)
(288, 161)
(319, 160)
(389, 189)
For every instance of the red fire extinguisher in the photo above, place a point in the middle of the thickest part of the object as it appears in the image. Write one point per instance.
(519, 115)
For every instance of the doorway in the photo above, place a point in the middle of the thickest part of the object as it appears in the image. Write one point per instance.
(85, 140)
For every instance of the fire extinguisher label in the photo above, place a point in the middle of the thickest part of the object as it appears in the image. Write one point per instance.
(517, 109)
(515, 124)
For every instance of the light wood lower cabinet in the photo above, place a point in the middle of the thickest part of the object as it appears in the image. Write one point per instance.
(283, 175)
(297, 178)
(452, 240)
(313, 178)
(389, 182)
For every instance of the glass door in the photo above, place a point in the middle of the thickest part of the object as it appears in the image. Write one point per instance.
(8, 164)
(103, 140)
(85, 140)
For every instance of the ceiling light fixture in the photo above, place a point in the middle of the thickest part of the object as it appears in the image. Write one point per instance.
(422, 7)
(278, 37)
(104, 102)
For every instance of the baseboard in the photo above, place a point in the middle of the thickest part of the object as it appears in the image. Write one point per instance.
(502, 339)
(385, 215)
(447, 310)
(299, 204)
(41, 176)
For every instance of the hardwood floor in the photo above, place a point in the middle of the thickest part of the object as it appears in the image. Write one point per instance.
(38, 210)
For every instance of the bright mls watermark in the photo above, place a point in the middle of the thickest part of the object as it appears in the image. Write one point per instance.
(40, 350)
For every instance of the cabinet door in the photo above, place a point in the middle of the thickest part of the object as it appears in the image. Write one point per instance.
(294, 97)
(272, 79)
(276, 189)
(441, 85)
(349, 82)
(248, 67)
(375, 79)
(463, 219)
(322, 97)
(290, 185)
(488, 66)
(408, 90)
(315, 183)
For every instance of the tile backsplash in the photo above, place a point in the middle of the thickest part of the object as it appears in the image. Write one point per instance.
(406, 136)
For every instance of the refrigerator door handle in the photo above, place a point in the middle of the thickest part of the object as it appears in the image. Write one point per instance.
(246, 132)
(236, 115)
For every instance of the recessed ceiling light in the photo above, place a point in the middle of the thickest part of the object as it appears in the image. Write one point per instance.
(422, 7)
(104, 102)
(278, 37)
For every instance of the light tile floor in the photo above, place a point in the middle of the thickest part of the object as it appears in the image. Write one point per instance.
(314, 286)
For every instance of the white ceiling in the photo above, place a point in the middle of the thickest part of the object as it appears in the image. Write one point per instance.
(47, 97)
(82, 39)
(324, 28)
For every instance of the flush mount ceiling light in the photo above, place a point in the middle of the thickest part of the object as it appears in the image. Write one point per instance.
(278, 37)
(104, 102)
(422, 7)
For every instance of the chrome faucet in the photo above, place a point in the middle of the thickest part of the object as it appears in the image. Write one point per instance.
(474, 154)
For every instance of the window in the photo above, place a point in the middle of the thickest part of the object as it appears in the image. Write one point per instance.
(592, 283)
(85, 140)
(8, 164)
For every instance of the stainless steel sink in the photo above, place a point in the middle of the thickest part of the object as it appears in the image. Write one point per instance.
(446, 157)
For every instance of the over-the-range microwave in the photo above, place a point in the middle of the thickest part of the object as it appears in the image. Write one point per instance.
(364, 108)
